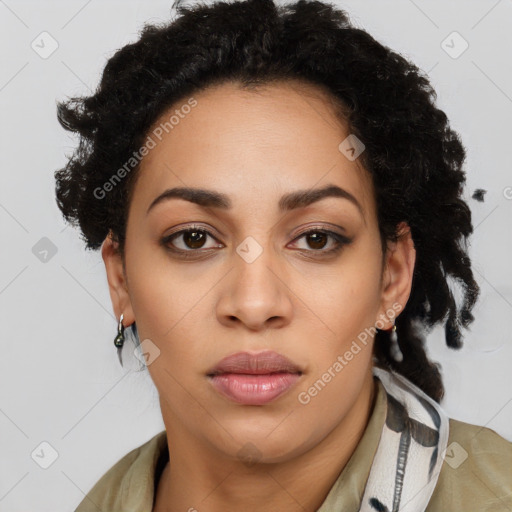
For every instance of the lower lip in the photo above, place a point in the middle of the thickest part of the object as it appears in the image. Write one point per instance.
(253, 389)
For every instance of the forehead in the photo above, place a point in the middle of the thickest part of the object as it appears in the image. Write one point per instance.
(270, 140)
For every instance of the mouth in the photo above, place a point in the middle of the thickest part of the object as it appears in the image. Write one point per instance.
(254, 378)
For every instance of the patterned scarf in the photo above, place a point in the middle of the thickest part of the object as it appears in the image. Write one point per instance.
(410, 452)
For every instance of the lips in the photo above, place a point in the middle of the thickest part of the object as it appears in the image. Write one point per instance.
(254, 378)
(255, 364)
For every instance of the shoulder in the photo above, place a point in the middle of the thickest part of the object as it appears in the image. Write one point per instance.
(129, 484)
(476, 473)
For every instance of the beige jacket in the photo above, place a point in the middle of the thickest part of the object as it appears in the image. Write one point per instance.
(480, 482)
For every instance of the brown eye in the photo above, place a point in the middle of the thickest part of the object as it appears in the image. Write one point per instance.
(317, 239)
(194, 239)
(189, 240)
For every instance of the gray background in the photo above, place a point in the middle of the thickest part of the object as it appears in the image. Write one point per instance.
(61, 382)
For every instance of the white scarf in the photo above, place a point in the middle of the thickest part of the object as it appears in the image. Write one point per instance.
(410, 452)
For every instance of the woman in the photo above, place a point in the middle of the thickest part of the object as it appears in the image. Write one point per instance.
(277, 200)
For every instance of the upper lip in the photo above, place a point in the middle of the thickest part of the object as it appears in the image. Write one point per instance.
(258, 363)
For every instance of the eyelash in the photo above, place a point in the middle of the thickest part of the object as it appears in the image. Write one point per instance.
(340, 240)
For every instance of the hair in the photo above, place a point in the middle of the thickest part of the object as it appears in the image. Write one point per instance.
(414, 158)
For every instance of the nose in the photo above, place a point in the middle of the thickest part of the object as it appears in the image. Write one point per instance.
(256, 294)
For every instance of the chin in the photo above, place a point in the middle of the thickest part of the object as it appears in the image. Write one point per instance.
(263, 448)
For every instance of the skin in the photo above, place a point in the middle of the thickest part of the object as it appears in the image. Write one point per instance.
(255, 147)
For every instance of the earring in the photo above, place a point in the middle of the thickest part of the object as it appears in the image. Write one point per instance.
(119, 339)
(396, 353)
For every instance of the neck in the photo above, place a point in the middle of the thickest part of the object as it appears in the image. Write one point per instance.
(298, 484)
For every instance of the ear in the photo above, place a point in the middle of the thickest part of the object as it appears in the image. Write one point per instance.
(398, 274)
(117, 282)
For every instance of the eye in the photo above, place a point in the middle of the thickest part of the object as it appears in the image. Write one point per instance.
(318, 239)
(192, 239)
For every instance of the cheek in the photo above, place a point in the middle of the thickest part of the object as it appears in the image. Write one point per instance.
(340, 358)
(342, 327)
(347, 303)
(160, 293)
(169, 311)
(341, 351)
(329, 395)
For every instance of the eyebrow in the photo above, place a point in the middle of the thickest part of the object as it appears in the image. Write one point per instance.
(291, 201)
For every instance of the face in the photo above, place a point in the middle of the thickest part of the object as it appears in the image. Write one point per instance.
(262, 268)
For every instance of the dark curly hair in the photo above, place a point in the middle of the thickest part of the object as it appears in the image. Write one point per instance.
(414, 157)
